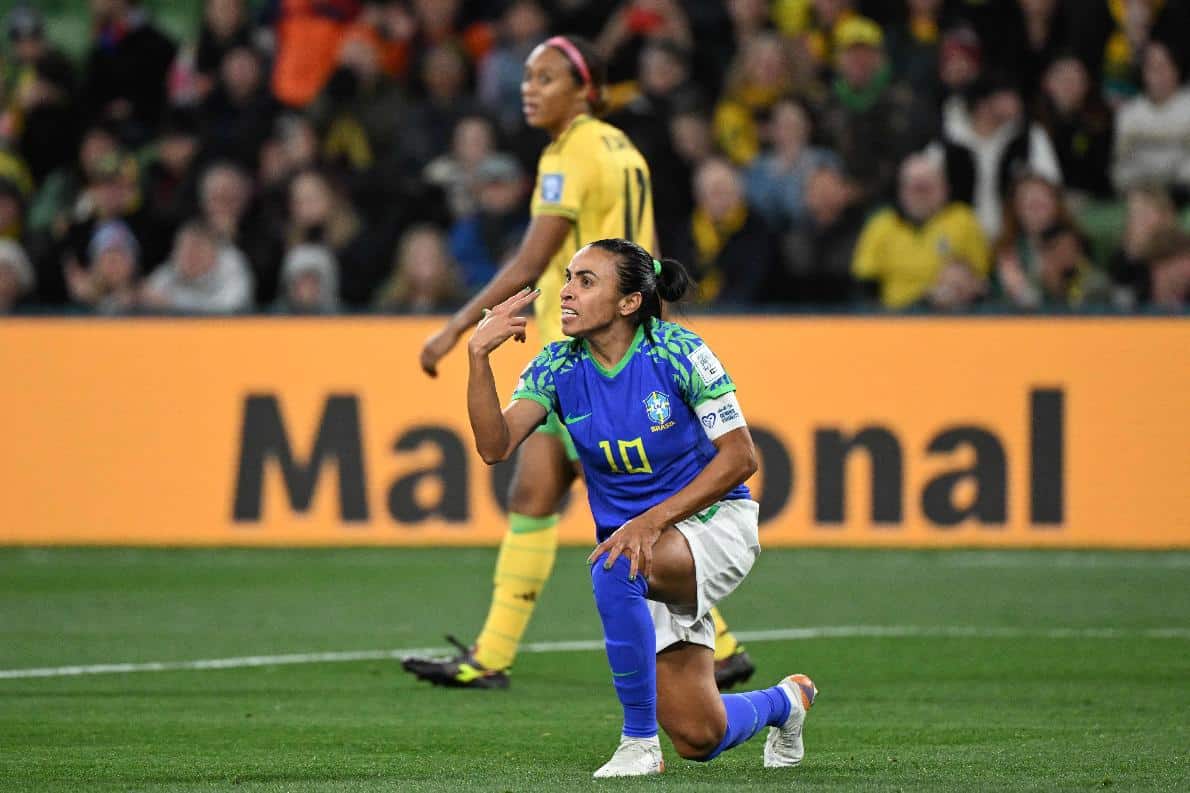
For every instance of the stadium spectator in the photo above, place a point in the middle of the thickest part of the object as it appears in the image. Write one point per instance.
(1079, 125)
(481, 241)
(170, 178)
(631, 26)
(818, 251)
(455, 172)
(49, 214)
(318, 213)
(16, 275)
(1150, 212)
(112, 194)
(309, 34)
(127, 68)
(361, 111)
(1112, 36)
(107, 284)
(927, 250)
(988, 139)
(385, 27)
(775, 182)
(1039, 258)
(729, 245)
(1032, 35)
(28, 45)
(868, 119)
(1153, 130)
(762, 73)
(1169, 270)
(204, 275)
(226, 207)
(424, 279)
(442, 23)
(225, 27)
(521, 27)
(238, 114)
(443, 78)
(41, 122)
(821, 31)
(310, 281)
(663, 89)
(914, 45)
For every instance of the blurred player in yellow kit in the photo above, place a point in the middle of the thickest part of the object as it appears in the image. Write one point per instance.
(592, 183)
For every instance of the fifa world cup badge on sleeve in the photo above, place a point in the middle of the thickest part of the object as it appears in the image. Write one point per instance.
(706, 364)
(551, 188)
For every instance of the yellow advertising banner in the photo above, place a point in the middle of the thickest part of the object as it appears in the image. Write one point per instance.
(872, 432)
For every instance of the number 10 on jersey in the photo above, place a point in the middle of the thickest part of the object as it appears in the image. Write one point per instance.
(641, 466)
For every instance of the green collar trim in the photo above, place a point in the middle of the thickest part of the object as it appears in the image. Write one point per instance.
(615, 370)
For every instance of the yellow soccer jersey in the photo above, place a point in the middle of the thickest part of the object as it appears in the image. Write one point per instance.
(594, 177)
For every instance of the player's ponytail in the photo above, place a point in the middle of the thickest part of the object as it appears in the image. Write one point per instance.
(657, 280)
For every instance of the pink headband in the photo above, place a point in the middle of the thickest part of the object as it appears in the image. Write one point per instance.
(574, 56)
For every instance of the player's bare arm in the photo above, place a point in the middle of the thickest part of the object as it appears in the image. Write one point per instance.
(497, 433)
(544, 236)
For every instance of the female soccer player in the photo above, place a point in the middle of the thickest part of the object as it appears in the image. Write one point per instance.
(592, 183)
(663, 442)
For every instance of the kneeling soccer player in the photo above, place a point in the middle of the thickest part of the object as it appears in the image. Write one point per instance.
(662, 439)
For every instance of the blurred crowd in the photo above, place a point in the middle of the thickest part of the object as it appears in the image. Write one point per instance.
(323, 156)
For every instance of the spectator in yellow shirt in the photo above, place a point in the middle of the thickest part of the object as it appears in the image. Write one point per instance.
(927, 249)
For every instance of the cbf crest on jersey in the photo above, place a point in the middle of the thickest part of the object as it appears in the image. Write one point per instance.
(657, 406)
(551, 188)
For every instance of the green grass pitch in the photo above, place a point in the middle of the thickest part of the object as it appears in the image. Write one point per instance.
(1003, 671)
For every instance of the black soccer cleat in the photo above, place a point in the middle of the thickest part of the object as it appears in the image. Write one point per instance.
(458, 671)
(734, 669)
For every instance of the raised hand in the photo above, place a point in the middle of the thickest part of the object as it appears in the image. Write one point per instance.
(503, 322)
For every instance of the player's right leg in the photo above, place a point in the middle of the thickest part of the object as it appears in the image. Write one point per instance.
(544, 472)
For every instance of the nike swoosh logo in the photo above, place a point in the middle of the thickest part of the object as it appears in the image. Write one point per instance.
(576, 419)
(624, 674)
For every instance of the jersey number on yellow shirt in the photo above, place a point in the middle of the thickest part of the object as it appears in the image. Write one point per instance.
(636, 189)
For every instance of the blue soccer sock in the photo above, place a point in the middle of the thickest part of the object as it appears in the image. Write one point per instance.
(749, 713)
(630, 642)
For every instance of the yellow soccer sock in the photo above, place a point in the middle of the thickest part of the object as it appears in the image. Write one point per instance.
(522, 568)
(725, 641)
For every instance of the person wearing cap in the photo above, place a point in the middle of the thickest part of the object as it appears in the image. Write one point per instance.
(480, 241)
(309, 281)
(16, 275)
(108, 283)
(868, 118)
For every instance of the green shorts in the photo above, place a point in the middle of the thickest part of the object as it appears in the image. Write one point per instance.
(554, 426)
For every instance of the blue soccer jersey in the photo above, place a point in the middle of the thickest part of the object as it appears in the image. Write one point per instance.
(634, 426)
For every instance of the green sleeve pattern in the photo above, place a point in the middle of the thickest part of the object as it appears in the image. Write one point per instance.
(537, 380)
(675, 346)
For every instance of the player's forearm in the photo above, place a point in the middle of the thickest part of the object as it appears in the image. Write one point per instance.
(483, 410)
(729, 467)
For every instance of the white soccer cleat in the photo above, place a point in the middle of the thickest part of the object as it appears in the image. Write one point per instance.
(784, 747)
(634, 757)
